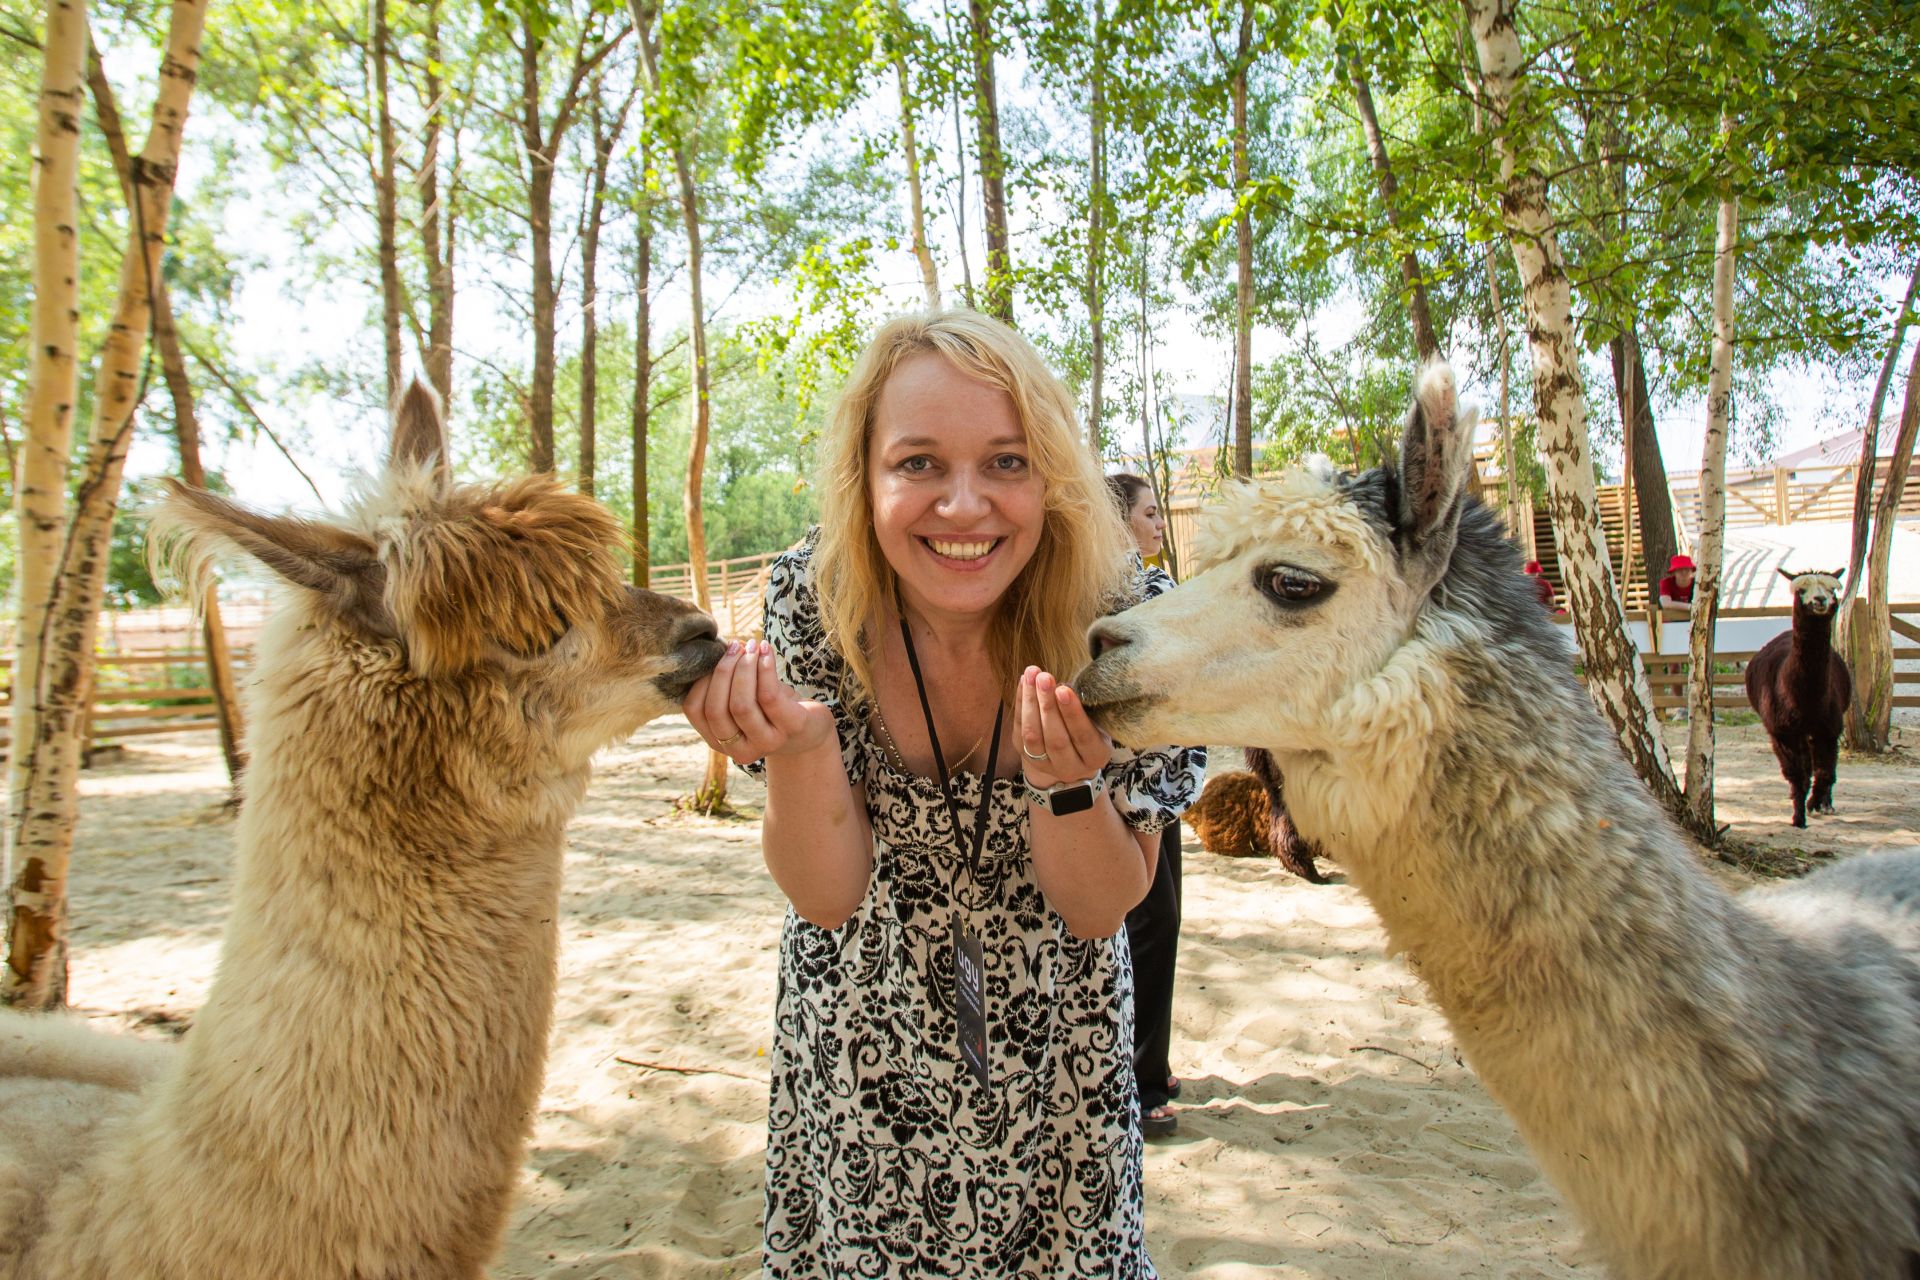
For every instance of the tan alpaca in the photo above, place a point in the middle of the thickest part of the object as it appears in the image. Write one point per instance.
(1726, 1088)
(353, 1100)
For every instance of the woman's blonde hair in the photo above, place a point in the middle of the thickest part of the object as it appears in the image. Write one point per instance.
(1079, 567)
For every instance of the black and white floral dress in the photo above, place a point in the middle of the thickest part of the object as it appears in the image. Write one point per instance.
(884, 1156)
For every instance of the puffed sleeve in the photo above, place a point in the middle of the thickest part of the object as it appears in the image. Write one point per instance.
(802, 654)
(1153, 786)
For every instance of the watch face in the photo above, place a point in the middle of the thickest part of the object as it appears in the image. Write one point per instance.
(1067, 800)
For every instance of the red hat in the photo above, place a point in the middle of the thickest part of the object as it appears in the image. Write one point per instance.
(1680, 562)
(1532, 566)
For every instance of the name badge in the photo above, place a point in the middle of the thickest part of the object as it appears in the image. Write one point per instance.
(970, 1001)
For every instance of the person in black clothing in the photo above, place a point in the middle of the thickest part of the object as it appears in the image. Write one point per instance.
(1153, 927)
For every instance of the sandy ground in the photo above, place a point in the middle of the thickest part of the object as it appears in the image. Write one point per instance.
(1328, 1128)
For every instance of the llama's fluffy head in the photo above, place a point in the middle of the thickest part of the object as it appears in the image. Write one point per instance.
(1324, 603)
(1815, 592)
(514, 586)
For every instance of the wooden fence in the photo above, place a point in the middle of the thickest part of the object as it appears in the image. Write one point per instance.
(737, 587)
(1787, 495)
(140, 693)
(1667, 672)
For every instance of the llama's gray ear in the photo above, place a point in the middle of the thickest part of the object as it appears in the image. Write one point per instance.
(190, 528)
(419, 433)
(1435, 452)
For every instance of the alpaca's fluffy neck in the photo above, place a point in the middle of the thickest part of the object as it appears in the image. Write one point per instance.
(1586, 964)
(1812, 649)
(385, 987)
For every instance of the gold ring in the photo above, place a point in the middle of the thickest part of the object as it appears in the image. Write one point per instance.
(1029, 755)
(725, 742)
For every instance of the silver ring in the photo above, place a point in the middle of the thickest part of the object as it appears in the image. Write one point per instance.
(724, 743)
(1029, 755)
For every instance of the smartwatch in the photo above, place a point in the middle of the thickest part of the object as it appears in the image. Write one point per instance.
(1068, 797)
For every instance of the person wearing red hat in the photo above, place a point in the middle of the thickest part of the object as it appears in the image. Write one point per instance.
(1541, 587)
(1676, 589)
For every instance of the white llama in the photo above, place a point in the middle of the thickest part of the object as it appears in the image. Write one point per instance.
(1725, 1088)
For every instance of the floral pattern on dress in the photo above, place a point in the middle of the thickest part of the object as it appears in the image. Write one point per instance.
(885, 1157)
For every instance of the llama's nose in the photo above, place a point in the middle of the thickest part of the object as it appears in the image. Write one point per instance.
(692, 627)
(1104, 635)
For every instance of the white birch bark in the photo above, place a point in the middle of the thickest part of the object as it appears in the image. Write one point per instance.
(712, 796)
(53, 379)
(1708, 553)
(35, 973)
(1615, 677)
(1870, 651)
(916, 202)
(1243, 255)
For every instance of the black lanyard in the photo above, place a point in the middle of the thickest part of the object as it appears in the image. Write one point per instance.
(940, 760)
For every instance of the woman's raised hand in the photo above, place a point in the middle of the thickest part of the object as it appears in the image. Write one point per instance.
(745, 711)
(1060, 742)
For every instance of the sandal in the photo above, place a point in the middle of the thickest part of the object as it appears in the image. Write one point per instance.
(1173, 1086)
(1161, 1122)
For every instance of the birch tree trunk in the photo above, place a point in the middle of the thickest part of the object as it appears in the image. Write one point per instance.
(916, 204)
(386, 201)
(603, 140)
(1615, 677)
(712, 795)
(540, 226)
(998, 290)
(1097, 231)
(1424, 340)
(1708, 554)
(35, 973)
(213, 629)
(642, 393)
(1243, 256)
(1519, 516)
(437, 221)
(53, 381)
(959, 205)
(1658, 540)
(1870, 448)
(1869, 650)
(1519, 522)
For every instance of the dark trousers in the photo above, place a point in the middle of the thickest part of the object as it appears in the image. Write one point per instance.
(1153, 934)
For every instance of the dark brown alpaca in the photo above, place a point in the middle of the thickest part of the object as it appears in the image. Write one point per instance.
(1241, 814)
(1295, 851)
(1801, 688)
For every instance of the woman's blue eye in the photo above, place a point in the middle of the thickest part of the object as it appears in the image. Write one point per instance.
(917, 463)
(1010, 462)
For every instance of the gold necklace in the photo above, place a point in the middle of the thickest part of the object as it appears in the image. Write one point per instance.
(893, 748)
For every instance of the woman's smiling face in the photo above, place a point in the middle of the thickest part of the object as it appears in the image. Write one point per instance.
(957, 507)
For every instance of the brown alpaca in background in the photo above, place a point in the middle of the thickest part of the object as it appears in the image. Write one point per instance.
(1236, 816)
(1801, 688)
(354, 1099)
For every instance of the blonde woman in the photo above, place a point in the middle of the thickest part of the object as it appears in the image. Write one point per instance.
(952, 1090)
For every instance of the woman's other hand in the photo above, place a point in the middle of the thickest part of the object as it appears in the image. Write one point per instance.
(745, 711)
(1055, 727)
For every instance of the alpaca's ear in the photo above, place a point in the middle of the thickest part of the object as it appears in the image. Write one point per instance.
(1435, 453)
(1838, 575)
(419, 433)
(1788, 574)
(190, 528)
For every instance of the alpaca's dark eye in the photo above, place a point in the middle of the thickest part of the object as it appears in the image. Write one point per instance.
(1291, 586)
